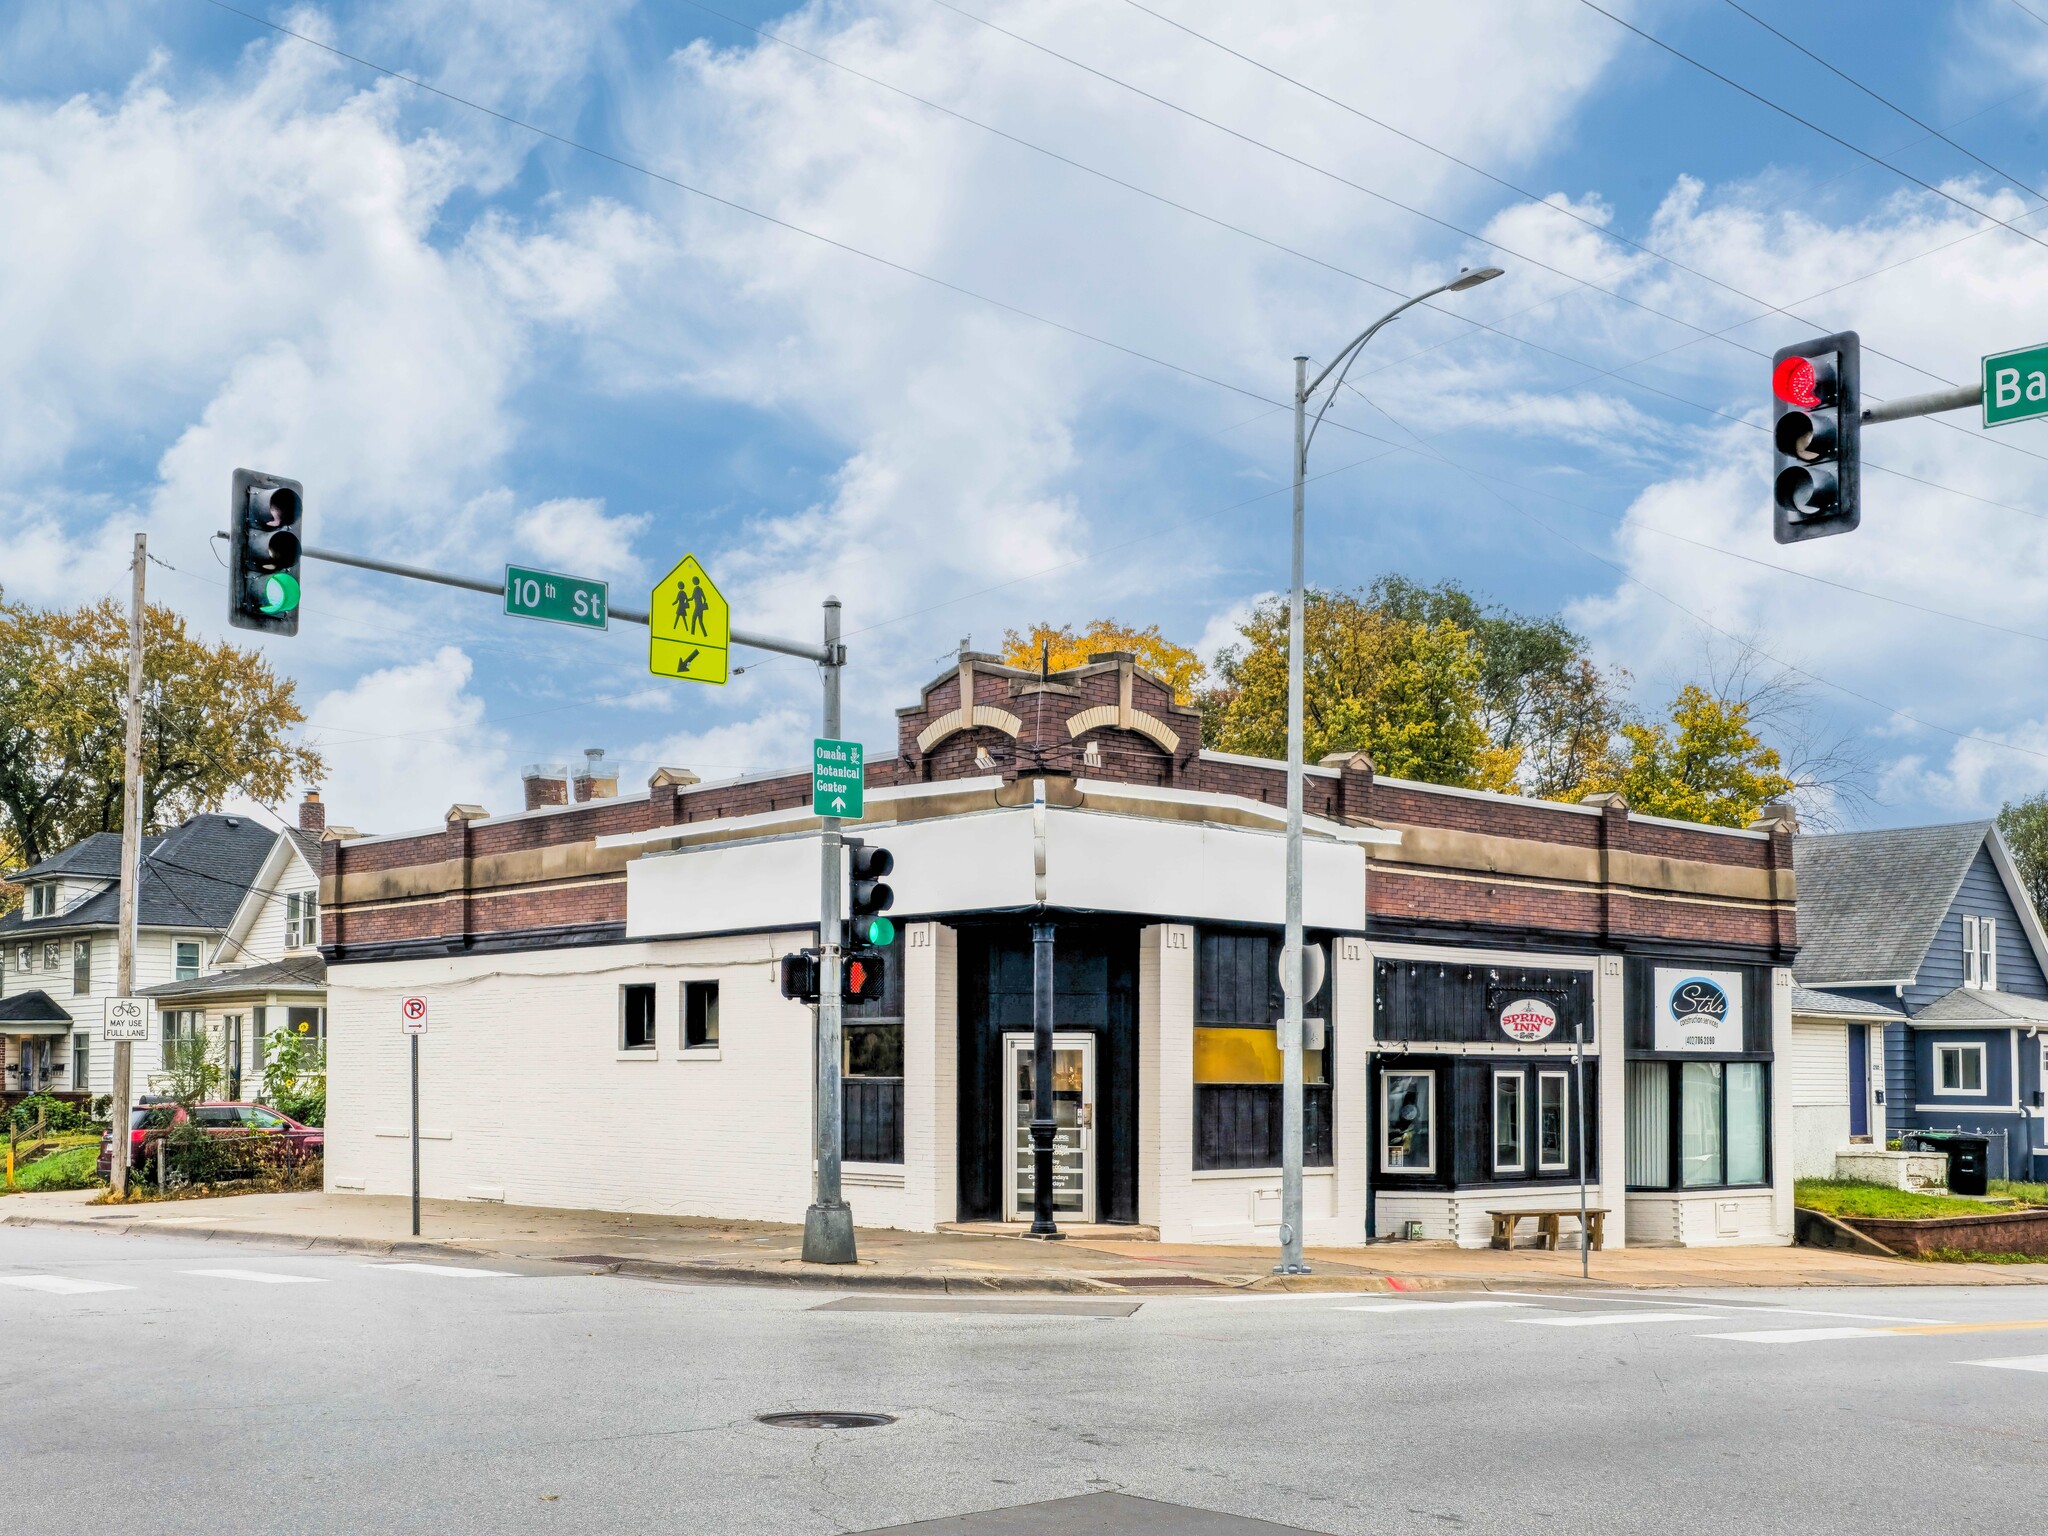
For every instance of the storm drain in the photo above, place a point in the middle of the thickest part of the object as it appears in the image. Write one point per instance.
(813, 1419)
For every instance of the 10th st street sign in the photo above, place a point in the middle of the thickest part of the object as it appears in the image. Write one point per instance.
(837, 775)
(557, 598)
(2016, 385)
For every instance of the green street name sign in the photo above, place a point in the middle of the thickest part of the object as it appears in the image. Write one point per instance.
(2016, 385)
(838, 770)
(557, 598)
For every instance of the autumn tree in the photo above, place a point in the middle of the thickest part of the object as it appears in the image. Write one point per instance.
(216, 722)
(1175, 665)
(1406, 691)
(2024, 826)
(1542, 698)
(1705, 763)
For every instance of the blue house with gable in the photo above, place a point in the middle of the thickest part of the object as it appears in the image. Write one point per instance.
(1922, 995)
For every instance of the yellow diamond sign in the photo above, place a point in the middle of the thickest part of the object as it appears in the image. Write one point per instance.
(689, 626)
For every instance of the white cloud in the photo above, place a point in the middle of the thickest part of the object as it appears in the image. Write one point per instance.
(404, 743)
(576, 534)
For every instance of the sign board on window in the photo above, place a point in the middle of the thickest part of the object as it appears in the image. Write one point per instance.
(126, 1018)
(1528, 1019)
(1698, 1010)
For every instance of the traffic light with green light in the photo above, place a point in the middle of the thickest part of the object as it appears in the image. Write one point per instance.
(266, 518)
(868, 895)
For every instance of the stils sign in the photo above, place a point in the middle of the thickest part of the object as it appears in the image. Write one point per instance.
(1528, 1019)
(1699, 1011)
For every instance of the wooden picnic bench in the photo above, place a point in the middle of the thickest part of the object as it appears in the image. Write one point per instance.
(1504, 1223)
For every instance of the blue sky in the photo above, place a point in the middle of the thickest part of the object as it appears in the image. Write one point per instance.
(477, 344)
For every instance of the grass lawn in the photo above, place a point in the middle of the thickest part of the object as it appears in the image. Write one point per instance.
(72, 1167)
(1839, 1197)
(2017, 1189)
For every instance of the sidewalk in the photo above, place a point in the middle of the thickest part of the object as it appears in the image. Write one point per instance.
(686, 1248)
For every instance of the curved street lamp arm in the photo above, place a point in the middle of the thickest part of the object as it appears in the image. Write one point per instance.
(1350, 355)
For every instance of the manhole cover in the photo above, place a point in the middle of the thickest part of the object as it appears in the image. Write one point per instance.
(812, 1419)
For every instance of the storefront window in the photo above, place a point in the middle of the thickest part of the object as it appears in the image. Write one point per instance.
(1699, 1124)
(1507, 1122)
(1746, 1121)
(1406, 1106)
(1721, 1114)
(1237, 1057)
(1649, 1125)
(871, 1070)
(1553, 1139)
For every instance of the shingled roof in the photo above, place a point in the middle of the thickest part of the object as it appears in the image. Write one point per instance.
(193, 876)
(298, 973)
(1870, 902)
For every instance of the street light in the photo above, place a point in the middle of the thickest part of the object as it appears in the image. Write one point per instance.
(1290, 958)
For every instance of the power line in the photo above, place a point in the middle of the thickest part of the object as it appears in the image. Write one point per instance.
(1883, 101)
(1702, 332)
(1809, 124)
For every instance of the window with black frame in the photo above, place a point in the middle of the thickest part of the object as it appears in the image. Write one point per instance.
(1698, 1124)
(871, 1070)
(1238, 1003)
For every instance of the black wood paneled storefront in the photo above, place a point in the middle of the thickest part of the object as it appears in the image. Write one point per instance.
(1095, 989)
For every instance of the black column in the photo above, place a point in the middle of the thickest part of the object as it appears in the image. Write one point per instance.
(1042, 1122)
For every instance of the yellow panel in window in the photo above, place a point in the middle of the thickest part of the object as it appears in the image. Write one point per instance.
(1237, 1056)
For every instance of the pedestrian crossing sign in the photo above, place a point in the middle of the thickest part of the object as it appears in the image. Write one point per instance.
(689, 626)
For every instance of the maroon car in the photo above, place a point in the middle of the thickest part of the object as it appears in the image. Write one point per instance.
(220, 1119)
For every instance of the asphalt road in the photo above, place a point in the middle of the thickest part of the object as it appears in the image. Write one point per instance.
(153, 1384)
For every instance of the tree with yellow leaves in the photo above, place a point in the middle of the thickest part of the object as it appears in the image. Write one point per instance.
(1175, 665)
(1707, 765)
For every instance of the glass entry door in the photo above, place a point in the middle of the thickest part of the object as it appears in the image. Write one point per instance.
(1073, 1142)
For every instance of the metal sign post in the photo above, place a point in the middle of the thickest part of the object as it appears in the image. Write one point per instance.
(1579, 1094)
(414, 1010)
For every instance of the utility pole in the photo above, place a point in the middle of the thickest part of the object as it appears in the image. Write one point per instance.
(828, 1224)
(131, 852)
(1291, 1262)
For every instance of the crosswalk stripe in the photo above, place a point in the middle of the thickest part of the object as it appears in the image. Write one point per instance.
(2020, 1363)
(60, 1285)
(1800, 1335)
(257, 1276)
(455, 1270)
(1425, 1306)
(1610, 1319)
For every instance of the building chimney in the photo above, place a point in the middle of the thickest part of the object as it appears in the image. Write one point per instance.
(312, 814)
(594, 781)
(546, 784)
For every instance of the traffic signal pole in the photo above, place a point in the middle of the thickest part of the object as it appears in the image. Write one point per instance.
(828, 1224)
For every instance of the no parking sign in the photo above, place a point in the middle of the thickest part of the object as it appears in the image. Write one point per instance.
(415, 1012)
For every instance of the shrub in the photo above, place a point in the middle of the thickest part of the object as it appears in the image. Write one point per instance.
(41, 1111)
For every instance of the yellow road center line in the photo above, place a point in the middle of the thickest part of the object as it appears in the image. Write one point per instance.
(2034, 1322)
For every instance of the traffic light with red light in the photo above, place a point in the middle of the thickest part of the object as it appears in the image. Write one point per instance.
(1817, 438)
(861, 981)
(266, 516)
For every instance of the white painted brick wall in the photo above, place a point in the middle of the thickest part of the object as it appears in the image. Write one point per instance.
(524, 1096)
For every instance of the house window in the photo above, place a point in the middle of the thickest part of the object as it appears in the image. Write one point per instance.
(700, 1015)
(1507, 1123)
(185, 959)
(42, 900)
(178, 1024)
(256, 1026)
(1959, 1068)
(1707, 1120)
(1987, 951)
(1408, 1144)
(1237, 1057)
(636, 1015)
(81, 1062)
(309, 1024)
(301, 920)
(53, 956)
(24, 958)
(81, 967)
(1553, 1138)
